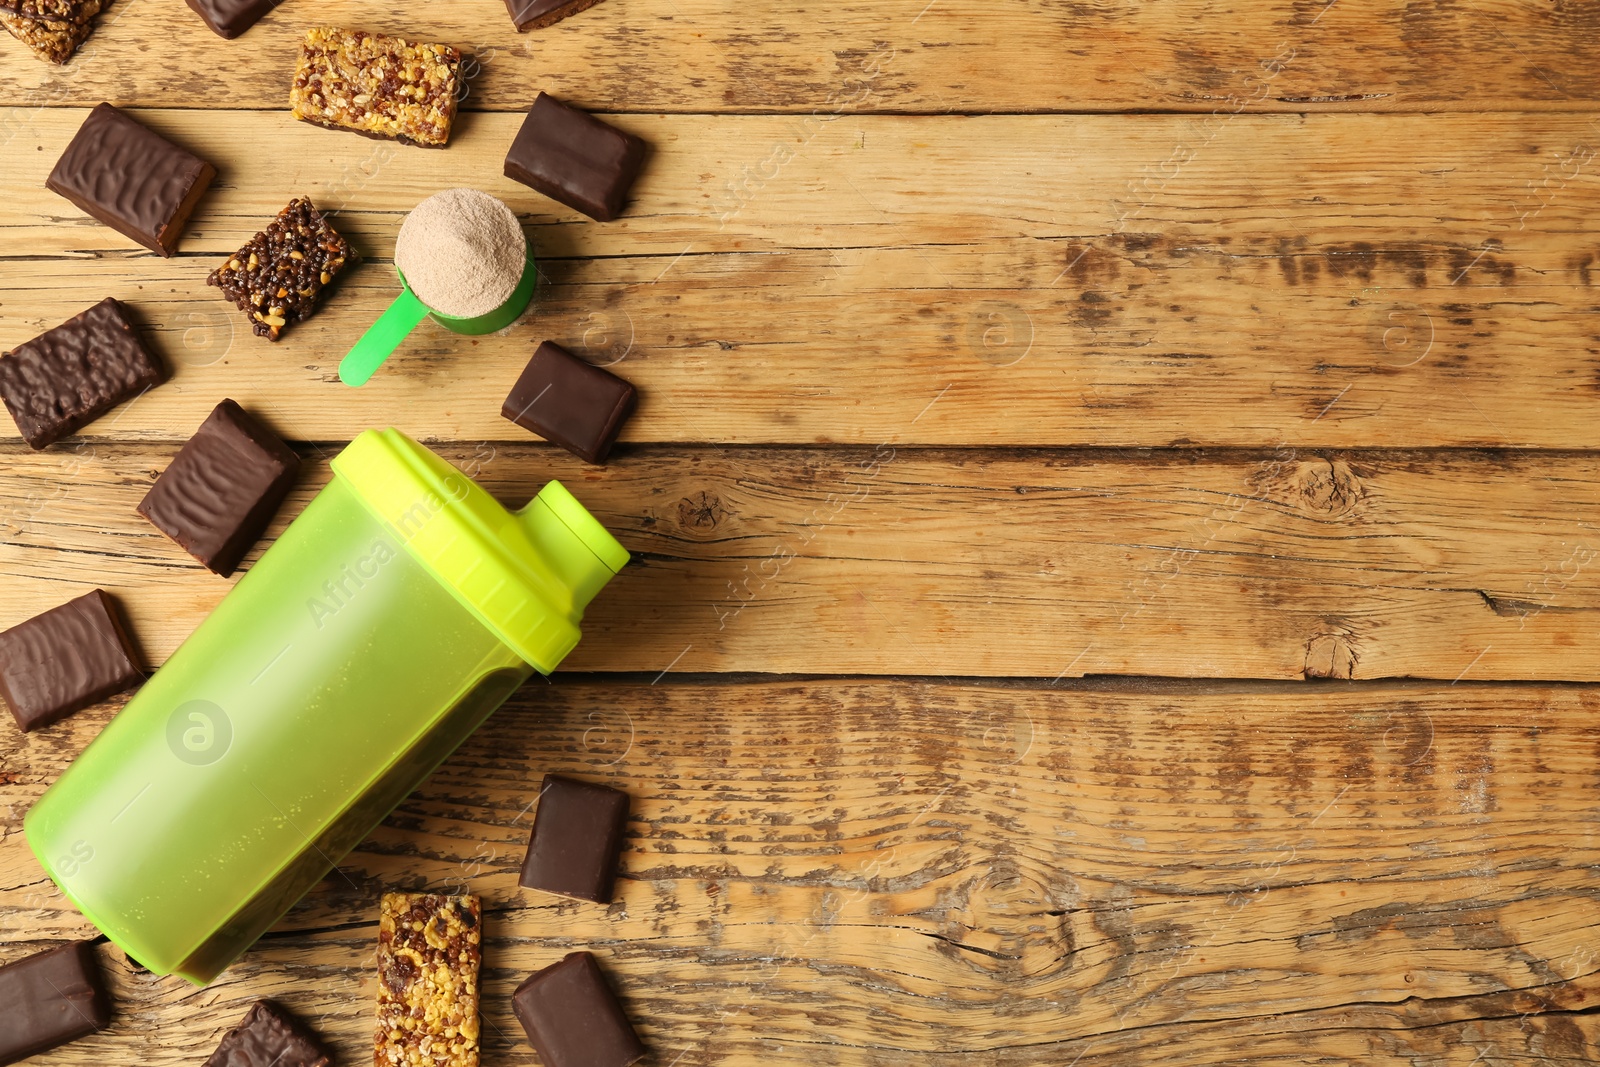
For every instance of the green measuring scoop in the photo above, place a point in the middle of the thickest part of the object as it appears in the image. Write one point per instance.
(408, 310)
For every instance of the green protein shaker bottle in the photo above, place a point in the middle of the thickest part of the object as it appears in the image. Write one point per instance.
(385, 625)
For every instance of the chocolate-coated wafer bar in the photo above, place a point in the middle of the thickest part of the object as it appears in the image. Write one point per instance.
(131, 178)
(53, 40)
(572, 1017)
(577, 836)
(570, 402)
(537, 14)
(269, 1037)
(69, 376)
(377, 86)
(278, 277)
(50, 999)
(65, 660)
(429, 948)
(222, 490)
(229, 18)
(571, 156)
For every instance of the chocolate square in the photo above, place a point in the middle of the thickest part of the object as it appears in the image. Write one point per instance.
(570, 402)
(69, 376)
(51, 998)
(131, 178)
(537, 14)
(269, 1037)
(65, 660)
(572, 1017)
(222, 490)
(577, 837)
(571, 156)
(278, 277)
(230, 18)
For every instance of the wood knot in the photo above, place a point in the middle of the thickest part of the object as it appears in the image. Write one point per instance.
(1010, 922)
(1331, 654)
(1322, 487)
(702, 512)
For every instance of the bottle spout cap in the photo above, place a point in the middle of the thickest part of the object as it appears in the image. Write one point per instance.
(527, 576)
(583, 552)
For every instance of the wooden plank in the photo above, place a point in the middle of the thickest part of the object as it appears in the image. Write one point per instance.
(888, 55)
(967, 562)
(914, 872)
(1343, 281)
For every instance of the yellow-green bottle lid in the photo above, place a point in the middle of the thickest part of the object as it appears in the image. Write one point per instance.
(527, 576)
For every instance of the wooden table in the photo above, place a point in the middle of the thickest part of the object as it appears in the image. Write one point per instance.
(1114, 510)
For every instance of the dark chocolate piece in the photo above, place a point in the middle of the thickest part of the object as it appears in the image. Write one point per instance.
(570, 402)
(572, 1017)
(229, 18)
(67, 377)
(131, 178)
(222, 490)
(50, 999)
(278, 278)
(571, 156)
(577, 836)
(65, 660)
(537, 14)
(269, 1037)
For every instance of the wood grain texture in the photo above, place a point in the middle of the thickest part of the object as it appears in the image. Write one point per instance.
(888, 55)
(965, 562)
(1341, 281)
(850, 872)
(951, 366)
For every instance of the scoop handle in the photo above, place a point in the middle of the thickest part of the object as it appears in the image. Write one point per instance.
(382, 338)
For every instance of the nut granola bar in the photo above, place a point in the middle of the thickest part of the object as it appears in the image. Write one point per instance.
(428, 955)
(278, 277)
(377, 86)
(52, 40)
(53, 10)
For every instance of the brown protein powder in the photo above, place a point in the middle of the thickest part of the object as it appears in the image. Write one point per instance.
(462, 252)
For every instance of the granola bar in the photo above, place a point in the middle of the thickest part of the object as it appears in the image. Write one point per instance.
(54, 10)
(52, 40)
(428, 954)
(377, 86)
(278, 278)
